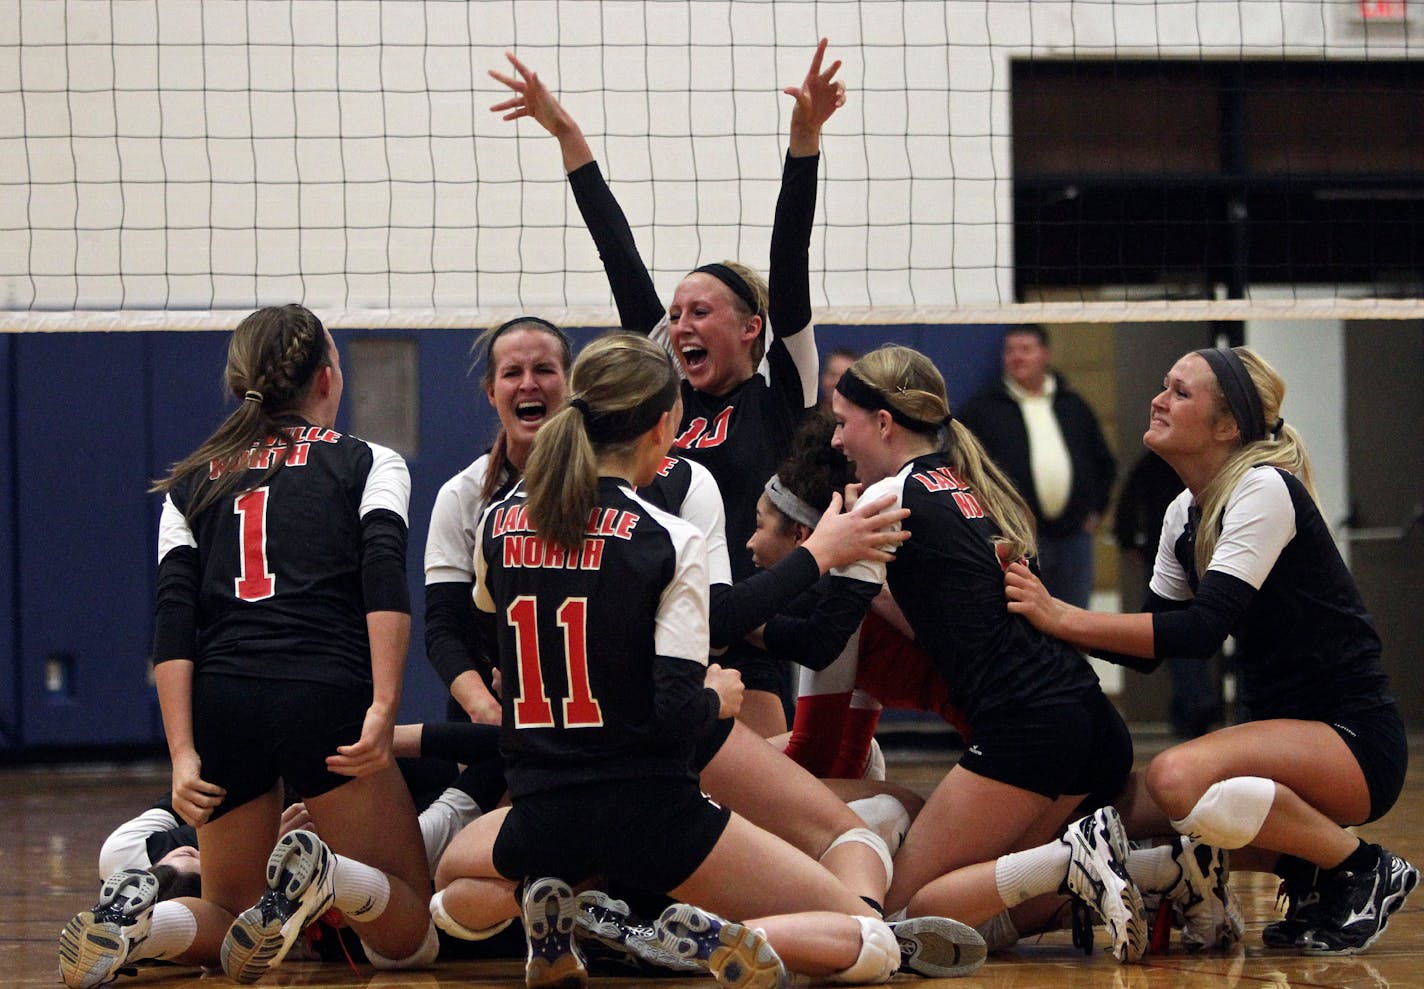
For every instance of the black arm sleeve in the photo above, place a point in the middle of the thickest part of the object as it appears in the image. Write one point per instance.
(816, 640)
(684, 707)
(459, 742)
(1152, 604)
(452, 638)
(175, 619)
(383, 545)
(633, 291)
(741, 607)
(1197, 631)
(789, 274)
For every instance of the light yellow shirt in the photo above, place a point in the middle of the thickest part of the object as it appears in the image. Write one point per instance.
(1049, 463)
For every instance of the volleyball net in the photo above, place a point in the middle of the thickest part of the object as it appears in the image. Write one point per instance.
(168, 163)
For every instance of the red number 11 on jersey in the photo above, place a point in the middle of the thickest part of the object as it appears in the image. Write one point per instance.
(532, 709)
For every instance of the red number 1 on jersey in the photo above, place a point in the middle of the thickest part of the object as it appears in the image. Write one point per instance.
(532, 709)
(255, 582)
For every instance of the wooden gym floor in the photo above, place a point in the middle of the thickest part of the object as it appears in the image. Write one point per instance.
(55, 817)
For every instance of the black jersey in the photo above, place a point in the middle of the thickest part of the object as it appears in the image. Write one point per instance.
(740, 437)
(948, 582)
(1306, 646)
(275, 582)
(603, 651)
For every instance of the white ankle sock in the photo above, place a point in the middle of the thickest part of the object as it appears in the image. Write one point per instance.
(1154, 870)
(361, 891)
(1021, 876)
(171, 932)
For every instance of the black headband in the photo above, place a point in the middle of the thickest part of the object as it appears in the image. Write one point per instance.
(607, 428)
(536, 320)
(1241, 396)
(733, 281)
(867, 396)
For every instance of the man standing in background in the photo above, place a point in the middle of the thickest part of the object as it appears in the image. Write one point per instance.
(1047, 439)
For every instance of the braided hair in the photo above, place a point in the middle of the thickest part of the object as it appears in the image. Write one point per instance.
(272, 359)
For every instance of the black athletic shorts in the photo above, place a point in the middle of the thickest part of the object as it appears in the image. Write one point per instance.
(1055, 750)
(1380, 745)
(251, 733)
(651, 834)
(711, 743)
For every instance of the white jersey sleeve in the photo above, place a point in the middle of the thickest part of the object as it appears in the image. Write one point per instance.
(1169, 580)
(703, 508)
(127, 847)
(173, 530)
(1257, 524)
(869, 571)
(802, 348)
(454, 524)
(388, 484)
(681, 629)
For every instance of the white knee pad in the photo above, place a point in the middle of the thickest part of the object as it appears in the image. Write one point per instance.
(1230, 813)
(879, 955)
(866, 837)
(424, 956)
(454, 928)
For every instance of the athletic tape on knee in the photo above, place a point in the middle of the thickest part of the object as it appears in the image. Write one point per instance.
(879, 955)
(424, 956)
(1230, 813)
(866, 837)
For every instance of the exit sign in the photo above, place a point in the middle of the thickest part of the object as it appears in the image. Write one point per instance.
(1387, 11)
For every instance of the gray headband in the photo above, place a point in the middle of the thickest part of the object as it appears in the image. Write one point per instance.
(789, 505)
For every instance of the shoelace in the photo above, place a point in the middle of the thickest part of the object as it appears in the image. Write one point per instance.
(318, 928)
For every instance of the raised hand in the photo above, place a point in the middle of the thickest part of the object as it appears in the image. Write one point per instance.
(818, 96)
(532, 99)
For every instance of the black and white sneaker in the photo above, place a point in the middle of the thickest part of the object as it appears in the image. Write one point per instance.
(610, 935)
(1356, 906)
(1202, 901)
(299, 891)
(96, 943)
(938, 947)
(554, 960)
(738, 957)
(1097, 876)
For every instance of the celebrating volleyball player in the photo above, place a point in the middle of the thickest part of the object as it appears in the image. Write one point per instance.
(599, 603)
(745, 390)
(1044, 737)
(1245, 551)
(281, 632)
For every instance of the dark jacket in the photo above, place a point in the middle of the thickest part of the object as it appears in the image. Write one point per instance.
(994, 417)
